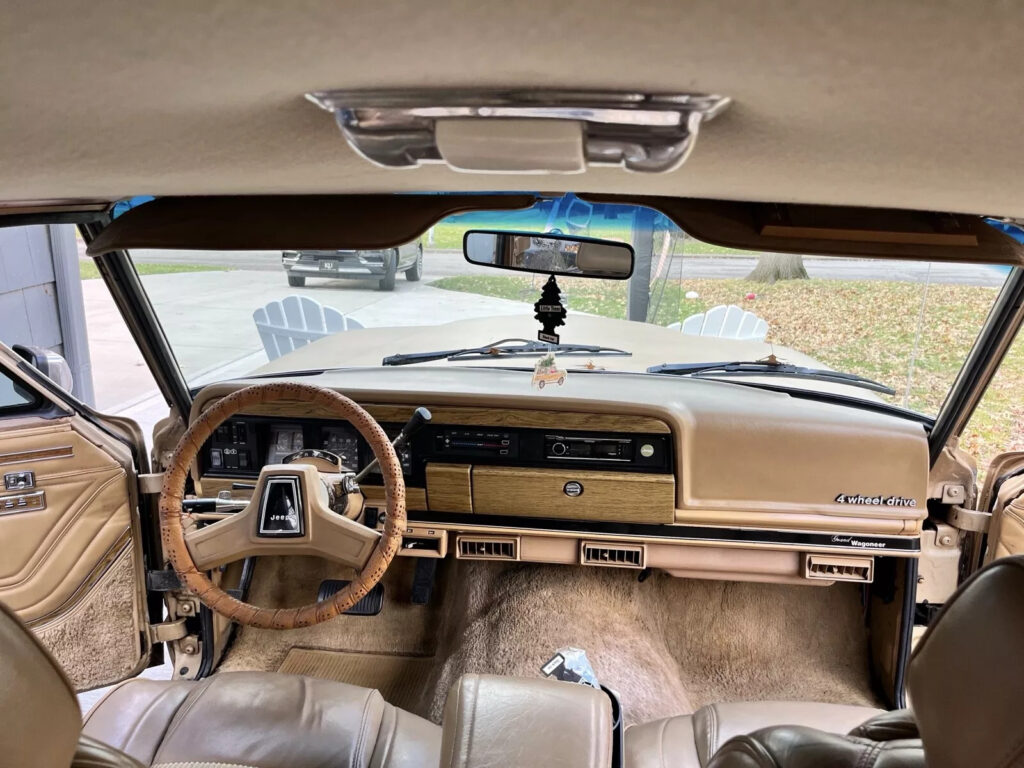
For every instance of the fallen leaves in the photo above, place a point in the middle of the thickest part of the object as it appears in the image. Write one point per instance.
(910, 336)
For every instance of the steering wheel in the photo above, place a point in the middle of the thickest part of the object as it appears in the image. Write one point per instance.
(302, 508)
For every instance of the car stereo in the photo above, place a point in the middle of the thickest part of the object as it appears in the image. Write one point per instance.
(588, 448)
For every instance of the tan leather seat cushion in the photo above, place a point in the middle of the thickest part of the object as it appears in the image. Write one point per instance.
(515, 722)
(689, 741)
(40, 711)
(261, 720)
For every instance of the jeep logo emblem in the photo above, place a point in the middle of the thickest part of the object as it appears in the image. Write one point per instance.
(573, 488)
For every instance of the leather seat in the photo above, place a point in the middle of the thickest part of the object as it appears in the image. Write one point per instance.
(250, 719)
(689, 741)
(262, 720)
(964, 679)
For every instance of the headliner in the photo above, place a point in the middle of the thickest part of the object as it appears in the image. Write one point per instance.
(903, 104)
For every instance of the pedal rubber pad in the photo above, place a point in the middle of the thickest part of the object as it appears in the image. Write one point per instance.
(370, 605)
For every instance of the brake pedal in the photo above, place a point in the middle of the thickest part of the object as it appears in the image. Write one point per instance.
(371, 604)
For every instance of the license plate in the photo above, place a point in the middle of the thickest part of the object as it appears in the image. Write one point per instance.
(327, 266)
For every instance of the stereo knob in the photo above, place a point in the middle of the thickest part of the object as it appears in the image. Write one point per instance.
(559, 449)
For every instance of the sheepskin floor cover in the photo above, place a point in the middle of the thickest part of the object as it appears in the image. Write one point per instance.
(667, 645)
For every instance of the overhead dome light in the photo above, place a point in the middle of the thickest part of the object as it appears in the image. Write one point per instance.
(510, 131)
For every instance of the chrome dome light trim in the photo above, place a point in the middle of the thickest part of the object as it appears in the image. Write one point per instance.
(650, 133)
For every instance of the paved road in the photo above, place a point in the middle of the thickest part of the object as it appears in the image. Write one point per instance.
(439, 264)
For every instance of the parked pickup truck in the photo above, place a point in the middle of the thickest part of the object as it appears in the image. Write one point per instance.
(383, 264)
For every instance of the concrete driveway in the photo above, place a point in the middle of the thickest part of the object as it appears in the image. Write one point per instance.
(207, 317)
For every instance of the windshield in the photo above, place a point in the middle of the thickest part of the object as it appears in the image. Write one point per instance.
(905, 325)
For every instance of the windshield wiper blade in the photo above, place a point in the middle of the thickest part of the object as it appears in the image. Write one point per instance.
(771, 367)
(504, 348)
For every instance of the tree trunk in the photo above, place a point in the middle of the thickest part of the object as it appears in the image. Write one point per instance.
(778, 266)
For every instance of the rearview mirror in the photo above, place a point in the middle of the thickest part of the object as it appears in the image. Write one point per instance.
(549, 254)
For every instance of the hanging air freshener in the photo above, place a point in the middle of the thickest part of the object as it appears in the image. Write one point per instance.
(550, 311)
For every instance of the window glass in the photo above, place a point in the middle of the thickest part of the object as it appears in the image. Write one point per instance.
(997, 425)
(895, 331)
(13, 396)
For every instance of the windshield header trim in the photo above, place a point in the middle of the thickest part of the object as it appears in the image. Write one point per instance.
(384, 221)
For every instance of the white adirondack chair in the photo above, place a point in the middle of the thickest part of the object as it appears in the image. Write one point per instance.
(295, 321)
(724, 322)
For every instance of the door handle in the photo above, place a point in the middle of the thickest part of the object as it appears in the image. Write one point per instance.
(19, 481)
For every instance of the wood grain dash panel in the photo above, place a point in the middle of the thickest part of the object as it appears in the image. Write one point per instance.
(449, 488)
(607, 496)
(415, 498)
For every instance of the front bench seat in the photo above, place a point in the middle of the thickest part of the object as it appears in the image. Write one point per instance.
(263, 720)
(230, 720)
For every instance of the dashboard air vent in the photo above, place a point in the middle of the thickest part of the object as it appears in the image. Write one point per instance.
(613, 555)
(487, 547)
(831, 568)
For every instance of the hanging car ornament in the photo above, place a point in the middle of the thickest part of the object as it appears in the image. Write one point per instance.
(546, 371)
(550, 311)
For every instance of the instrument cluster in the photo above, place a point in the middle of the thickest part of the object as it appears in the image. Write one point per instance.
(243, 445)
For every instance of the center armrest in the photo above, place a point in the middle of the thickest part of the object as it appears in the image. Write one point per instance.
(519, 722)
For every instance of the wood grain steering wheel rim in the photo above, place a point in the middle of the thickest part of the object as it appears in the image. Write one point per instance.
(173, 532)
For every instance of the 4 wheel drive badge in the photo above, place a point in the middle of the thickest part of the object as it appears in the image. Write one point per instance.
(875, 500)
(281, 507)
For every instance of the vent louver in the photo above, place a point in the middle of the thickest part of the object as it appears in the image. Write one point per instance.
(487, 547)
(829, 568)
(612, 555)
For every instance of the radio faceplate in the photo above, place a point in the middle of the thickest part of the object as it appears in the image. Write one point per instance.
(570, 448)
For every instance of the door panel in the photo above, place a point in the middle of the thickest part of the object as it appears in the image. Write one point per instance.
(1003, 496)
(49, 553)
(70, 562)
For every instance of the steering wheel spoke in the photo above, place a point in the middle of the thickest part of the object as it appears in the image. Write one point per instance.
(290, 514)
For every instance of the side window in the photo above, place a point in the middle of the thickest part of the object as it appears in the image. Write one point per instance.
(997, 425)
(13, 396)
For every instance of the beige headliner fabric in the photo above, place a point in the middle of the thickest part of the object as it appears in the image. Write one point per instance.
(904, 104)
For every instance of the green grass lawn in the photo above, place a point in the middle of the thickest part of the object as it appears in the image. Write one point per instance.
(88, 271)
(866, 327)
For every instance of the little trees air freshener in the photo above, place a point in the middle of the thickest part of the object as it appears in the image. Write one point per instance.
(549, 311)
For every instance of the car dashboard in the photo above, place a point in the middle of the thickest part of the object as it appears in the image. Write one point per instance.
(702, 479)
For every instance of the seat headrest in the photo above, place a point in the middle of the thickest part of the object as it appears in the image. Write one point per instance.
(966, 679)
(42, 720)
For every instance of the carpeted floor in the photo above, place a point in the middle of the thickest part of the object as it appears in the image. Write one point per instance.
(666, 645)
(401, 628)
